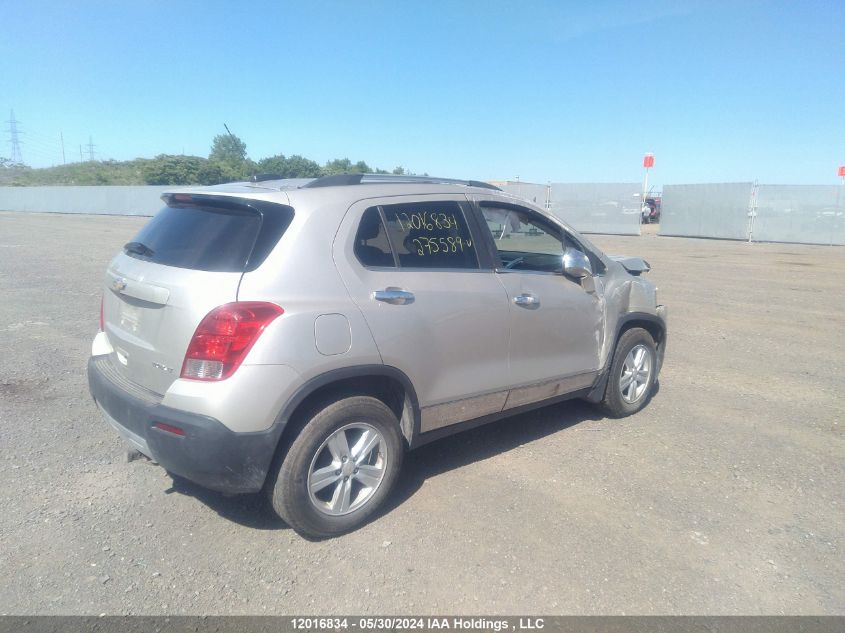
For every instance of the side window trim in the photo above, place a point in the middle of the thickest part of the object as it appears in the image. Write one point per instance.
(389, 239)
(486, 260)
(479, 224)
(359, 223)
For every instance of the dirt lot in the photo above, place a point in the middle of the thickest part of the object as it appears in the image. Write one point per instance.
(725, 495)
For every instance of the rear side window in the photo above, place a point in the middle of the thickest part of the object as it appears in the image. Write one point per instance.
(430, 235)
(211, 238)
(372, 247)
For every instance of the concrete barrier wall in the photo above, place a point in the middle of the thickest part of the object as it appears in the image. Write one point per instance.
(140, 200)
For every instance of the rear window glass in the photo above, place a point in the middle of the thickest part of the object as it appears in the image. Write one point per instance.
(208, 238)
(430, 235)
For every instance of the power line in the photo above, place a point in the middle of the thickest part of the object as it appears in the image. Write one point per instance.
(40, 150)
(14, 140)
(40, 147)
(51, 138)
(90, 148)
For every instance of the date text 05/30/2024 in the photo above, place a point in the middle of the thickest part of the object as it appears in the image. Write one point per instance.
(419, 623)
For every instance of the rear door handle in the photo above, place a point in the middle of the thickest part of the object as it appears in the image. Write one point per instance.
(527, 301)
(396, 296)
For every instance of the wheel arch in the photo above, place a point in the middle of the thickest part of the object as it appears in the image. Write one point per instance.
(387, 384)
(652, 324)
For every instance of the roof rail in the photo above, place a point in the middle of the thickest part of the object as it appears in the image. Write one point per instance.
(265, 177)
(340, 180)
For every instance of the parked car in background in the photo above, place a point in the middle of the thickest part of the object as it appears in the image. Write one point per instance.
(651, 211)
(298, 337)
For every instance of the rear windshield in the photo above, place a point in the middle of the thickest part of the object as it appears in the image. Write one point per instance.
(230, 239)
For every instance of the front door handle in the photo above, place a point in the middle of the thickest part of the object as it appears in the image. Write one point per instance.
(396, 296)
(527, 301)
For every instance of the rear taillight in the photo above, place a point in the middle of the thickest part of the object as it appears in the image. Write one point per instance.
(224, 337)
(102, 316)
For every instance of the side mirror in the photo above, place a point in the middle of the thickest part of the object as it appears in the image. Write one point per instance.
(576, 264)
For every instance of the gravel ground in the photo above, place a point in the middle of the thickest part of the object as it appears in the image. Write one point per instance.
(724, 496)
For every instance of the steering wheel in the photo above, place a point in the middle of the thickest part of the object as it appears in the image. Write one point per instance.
(514, 262)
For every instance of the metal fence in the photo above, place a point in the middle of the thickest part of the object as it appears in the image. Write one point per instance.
(805, 214)
(808, 214)
(711, 210)
(111, 200)
(590, 208)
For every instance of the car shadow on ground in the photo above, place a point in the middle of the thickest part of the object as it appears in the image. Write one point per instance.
(484, 442)
(253, 511)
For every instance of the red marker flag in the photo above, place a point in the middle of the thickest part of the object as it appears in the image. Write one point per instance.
(648, 160)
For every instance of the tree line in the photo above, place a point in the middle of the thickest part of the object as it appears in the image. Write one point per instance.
(226, 162)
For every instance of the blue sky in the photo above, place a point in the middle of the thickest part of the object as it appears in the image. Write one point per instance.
(560, 91)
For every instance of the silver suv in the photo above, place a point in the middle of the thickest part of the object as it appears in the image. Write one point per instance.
(300, 336)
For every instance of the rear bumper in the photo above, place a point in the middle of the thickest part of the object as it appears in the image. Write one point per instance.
(209, 453)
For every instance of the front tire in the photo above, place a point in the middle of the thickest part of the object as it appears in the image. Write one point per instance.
(340, 468)
(633, 374)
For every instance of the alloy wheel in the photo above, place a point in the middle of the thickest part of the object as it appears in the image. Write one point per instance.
(636, 371)
(347, 469)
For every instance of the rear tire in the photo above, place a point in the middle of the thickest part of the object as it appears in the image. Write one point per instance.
(339, 469)
(633, 373)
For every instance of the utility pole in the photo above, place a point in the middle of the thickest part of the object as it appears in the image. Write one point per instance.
(841, 173)
(80, 155)
(62, 139)
(14, 140)
(90, 147)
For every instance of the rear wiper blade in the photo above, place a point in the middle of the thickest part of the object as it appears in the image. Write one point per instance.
(138, 248)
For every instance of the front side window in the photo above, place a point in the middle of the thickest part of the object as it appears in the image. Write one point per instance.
(524, 241)
(430, 235)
